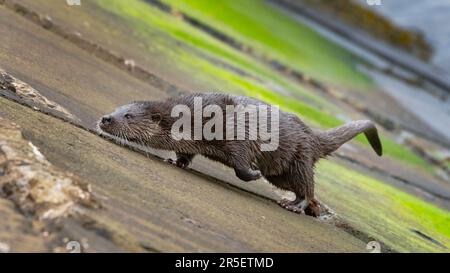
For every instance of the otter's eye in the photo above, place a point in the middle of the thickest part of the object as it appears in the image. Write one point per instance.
(128, 116)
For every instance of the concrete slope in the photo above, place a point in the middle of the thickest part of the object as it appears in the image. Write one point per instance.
(150, 205)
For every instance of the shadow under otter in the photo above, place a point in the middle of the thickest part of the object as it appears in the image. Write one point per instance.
(289, 167)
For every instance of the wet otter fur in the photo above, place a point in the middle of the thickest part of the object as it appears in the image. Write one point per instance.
(290, 167)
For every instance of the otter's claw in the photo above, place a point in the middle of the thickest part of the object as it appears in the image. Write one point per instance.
(293, 206)
(311, 208)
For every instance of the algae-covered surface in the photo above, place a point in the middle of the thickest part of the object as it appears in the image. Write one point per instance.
(295, 44)
(384, 212)
(152, 206)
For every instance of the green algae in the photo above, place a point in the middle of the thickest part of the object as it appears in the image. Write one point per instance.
(147, 19)
(273, 34)
(383, 211)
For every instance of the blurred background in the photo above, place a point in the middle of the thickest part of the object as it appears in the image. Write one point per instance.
(329, 62)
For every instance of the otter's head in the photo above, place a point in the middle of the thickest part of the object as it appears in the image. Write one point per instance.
(136, 122)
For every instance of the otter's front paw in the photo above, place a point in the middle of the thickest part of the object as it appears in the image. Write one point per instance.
(169, 160)
(183, 162)
(248, 175)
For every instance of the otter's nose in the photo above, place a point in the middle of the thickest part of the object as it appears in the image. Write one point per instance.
(106, 120)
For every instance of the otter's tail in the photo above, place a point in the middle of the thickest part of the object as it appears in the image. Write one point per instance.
(332, 139)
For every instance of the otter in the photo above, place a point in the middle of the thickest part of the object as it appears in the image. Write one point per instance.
(289, 167)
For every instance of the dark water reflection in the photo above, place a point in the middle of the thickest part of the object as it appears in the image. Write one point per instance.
(423, 105)
(432, 17)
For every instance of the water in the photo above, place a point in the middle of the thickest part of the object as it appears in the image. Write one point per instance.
(424, 106)
(431, 17)
(427, 108)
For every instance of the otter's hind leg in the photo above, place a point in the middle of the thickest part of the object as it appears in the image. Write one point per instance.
(284, 182)
(300, 180)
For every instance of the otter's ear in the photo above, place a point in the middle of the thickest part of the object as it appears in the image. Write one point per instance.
(156, 117)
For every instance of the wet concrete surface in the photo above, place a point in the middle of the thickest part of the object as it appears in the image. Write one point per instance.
(107, 30)
(389, 168)
(149, 205)
(86, 86)
(16, 231)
